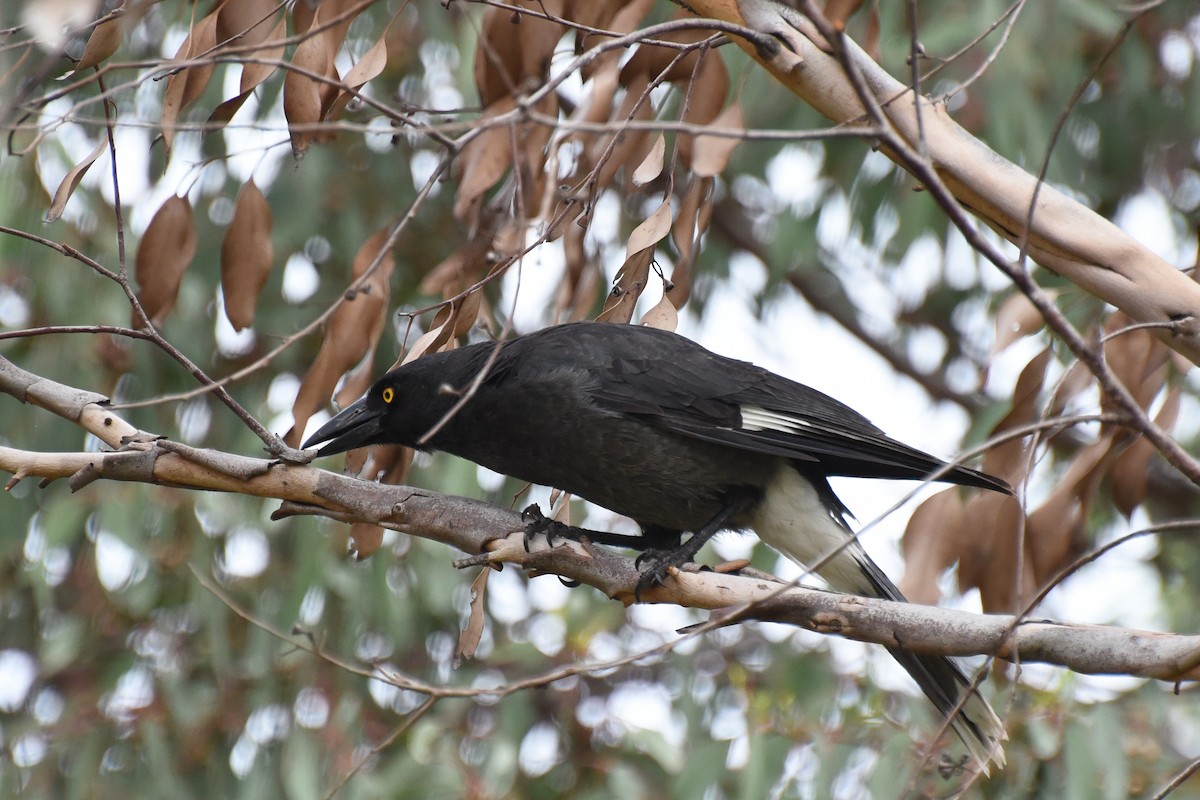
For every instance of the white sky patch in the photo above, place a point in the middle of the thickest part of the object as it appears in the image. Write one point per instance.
(246, 552)
(17, 672)
(1176, 54)
(539, 750)
(422, 165)
(281, 394)
(28, 750)
(311, 708)
(919, 271)
(311, 607)
(300, 279)
(507, 600)
(794, 176)
(548, 595)
(117, 564)
(1146, 216)
(231, 343)
(529, 286)
(638, 704)
(134, 690)
(133, 146)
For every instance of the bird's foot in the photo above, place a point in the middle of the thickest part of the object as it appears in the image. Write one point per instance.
(655, 565)
(538, 524)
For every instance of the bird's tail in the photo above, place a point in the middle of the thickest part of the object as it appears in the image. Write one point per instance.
(943, 682)
(802, 518)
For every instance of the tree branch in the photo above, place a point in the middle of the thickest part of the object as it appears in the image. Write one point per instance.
(498, 536)
(1063, 235)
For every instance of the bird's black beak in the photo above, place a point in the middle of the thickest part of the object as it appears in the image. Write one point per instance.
(355, 426)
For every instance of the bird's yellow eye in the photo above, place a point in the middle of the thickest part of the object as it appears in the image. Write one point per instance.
(389, 394)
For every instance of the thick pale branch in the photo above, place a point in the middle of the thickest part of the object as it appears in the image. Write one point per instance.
(479, 528)
(1065, 236)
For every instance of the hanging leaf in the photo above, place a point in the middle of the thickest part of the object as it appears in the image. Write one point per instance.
(350, 336)
(246, 256)
(484, 159)
(663, 315)
(652, 165)
(652, 230)
(67, 187)
(368, 67)
(253, 73)
(187, 84)
(103, 42)
(472, 632)
(163, 255)
(302, 94)
(710, 154)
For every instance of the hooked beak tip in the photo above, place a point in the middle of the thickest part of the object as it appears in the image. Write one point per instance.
(355, 426)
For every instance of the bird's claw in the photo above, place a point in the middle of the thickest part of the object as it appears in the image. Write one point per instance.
(654, 566)
(538, 524)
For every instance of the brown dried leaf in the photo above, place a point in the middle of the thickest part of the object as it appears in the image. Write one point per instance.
(437, 335)
(992, 528)
(164, 253)
(870, 40)
(932, 543)
(1129, 473)
(632, 277)
(655, 62)
(365, 539)
(1009, 460)
(1075, 381)
(651, 231)
(1137, 359)
(350, 337)
(1057, 532)
(246, 255)
(302, 95)
(472, 632)
(103, 42)
(627, 288)
(253, 74)
(577, 291)
(706, 94)
(514, 49)
(663, 315)
(246, 23)
(839, 11)
(65, 189)
(614, 152)
(369, 66)
(695, 213)
(361, 377)
(1016, 318)
(184, 86)
(652, 166)
(468, 313)
(484, 159)
(710, 154)
(459, 269)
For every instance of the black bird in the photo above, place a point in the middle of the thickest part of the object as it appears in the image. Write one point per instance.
(648, 424)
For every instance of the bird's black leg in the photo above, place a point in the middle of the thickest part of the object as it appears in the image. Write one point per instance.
(655, 563)
(538, 524)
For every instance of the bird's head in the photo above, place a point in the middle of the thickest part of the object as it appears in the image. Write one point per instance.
(364, 422)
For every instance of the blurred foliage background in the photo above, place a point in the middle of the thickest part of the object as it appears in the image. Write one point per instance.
(136, 652)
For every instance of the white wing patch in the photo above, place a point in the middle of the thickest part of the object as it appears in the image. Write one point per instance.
(757, 418)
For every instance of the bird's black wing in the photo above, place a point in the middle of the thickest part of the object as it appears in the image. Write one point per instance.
(672, 383)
